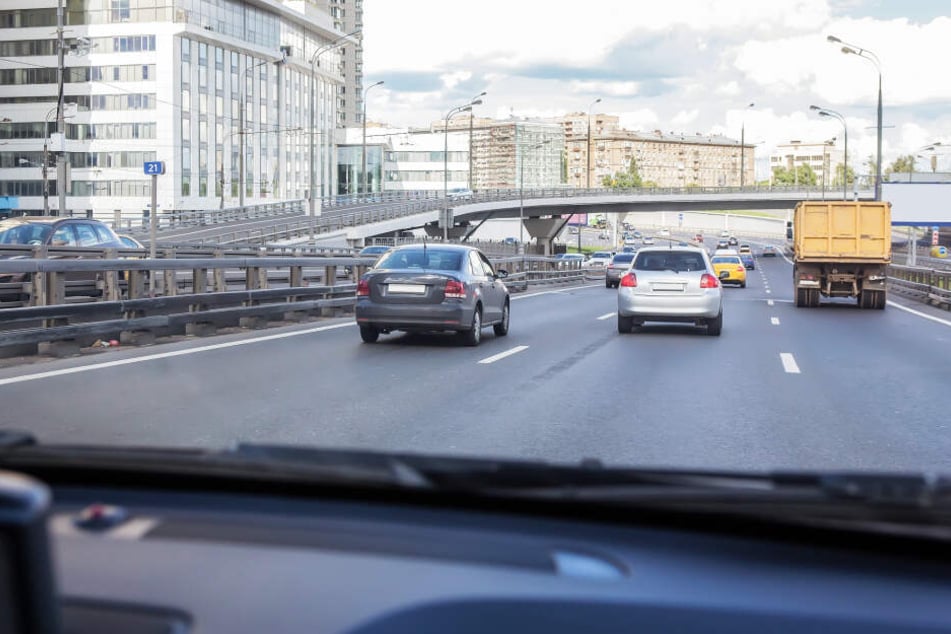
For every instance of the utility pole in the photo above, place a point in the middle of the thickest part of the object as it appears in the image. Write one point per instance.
(61, 163)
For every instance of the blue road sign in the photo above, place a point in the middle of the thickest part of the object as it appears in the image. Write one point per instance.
(153, 168)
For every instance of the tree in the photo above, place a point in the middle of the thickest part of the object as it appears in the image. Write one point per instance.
(803, 174)
(837, 181)
(624, 180)
(872, 164)
(902, 165)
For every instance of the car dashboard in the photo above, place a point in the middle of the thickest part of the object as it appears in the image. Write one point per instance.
(148, 558)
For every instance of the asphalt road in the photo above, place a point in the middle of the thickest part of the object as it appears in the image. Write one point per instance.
(782, 388)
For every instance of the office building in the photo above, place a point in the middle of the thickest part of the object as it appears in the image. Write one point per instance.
(823, 157)
(186, 82)
(348, 18)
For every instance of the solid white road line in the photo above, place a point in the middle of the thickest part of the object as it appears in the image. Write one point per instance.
(502, 355)
(606, 316)
(789, 363)
(919, 313)
(768, 291)
(166, 355)
(774, 321)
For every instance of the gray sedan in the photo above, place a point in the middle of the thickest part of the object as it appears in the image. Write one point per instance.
(421, 288)
(670, 284)
(619, 265)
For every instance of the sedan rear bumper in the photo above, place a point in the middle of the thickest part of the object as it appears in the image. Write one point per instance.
(413, 317)
(653, 307)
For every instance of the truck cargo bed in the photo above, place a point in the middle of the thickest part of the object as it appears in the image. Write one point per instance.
(842, 231)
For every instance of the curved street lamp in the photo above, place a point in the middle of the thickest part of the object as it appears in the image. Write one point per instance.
(445, 161)
(471, 117)
(825, 112)
(364, 152)
(851, 49)
(743, 146)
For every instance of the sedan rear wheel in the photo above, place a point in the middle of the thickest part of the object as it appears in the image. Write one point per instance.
(369, 334)
(473, 336)
(624, 324)
(502, 328)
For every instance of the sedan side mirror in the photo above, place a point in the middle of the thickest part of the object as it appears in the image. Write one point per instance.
(502, 273)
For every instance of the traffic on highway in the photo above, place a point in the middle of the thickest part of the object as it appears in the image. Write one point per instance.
(366, 317)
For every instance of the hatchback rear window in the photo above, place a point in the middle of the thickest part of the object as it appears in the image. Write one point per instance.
(669, 261)
(429, 259)
(726, 259)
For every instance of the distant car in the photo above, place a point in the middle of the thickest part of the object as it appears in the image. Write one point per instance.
(599, 259)
(638, 235)
(670, 284)
(373, 250)
(569, 260)
(682, 244)
(460, 193)
(619, 265)
(745, 248)
(698, 238)
(769, 251)
(748, 260)
(723, 244)
(729, 269)
(733, 241)
(628, 249)
(510, 240)
(725, 234)
(420, 288)
(664, 233)
(648, 240)
(573, 230)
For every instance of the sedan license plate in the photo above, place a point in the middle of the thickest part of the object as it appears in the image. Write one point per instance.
(410, 289)
(667, 286)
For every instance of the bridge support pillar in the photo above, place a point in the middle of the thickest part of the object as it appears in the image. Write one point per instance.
(544, 231)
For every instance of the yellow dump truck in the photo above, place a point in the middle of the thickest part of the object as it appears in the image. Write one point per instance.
(841, 249)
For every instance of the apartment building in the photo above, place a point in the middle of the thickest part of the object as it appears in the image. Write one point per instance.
(205, 87)
(347, 16)
(665, 159)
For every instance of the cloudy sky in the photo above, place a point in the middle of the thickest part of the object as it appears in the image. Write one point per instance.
(673, 65)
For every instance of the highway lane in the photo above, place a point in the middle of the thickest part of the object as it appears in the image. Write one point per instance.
(563, 386)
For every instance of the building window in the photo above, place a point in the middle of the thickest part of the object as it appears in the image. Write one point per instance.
(120, 10)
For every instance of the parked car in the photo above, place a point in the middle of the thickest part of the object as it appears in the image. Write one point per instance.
(729, 269)
(420, 288)
(670, 284)
(619, 265)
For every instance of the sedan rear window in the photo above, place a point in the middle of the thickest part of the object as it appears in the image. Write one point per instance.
(429, 259)
(669, 260)
(623, 258)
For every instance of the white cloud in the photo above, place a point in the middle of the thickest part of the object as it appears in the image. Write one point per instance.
(643, 119)
(685, 117)
(607, 88)
(451, 80)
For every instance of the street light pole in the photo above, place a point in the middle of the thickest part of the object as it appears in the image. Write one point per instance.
(60, 115)
(743, 147)
(825, 112)
(445, 161)
(588, 157)
(314, 117)
(471, 117)
(363, 154)
(871, 57)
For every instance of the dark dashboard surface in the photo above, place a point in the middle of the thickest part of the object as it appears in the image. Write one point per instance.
(246, 563)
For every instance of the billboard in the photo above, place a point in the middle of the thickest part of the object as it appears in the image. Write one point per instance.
(919, 204)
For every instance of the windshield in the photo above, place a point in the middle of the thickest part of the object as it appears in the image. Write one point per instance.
(15, 232)
(287, 147)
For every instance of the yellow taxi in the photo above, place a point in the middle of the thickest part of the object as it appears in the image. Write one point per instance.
(729, 269)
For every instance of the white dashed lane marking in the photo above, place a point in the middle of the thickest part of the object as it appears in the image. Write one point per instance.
(774, 321)
(789, 363)
(502, 355)
(606, 316)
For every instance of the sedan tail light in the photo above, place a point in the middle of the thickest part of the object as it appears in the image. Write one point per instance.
(740, 269)
(708, 281)
(455, 289)
(629, 280)
(363, 288)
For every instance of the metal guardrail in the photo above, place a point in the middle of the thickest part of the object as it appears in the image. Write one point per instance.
(114, 302)
(927, 285)
(198, 218)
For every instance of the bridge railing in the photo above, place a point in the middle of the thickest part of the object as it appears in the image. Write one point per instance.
(932, 286)
(198, 218)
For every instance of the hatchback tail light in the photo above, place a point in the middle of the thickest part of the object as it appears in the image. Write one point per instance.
(708, 281)
(629, 280)
(363, 288)
(455, 289)
(740, 269)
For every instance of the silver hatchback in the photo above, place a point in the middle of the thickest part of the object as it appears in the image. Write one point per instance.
(670, 284)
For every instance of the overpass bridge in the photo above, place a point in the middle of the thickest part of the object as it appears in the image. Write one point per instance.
(546, 211)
